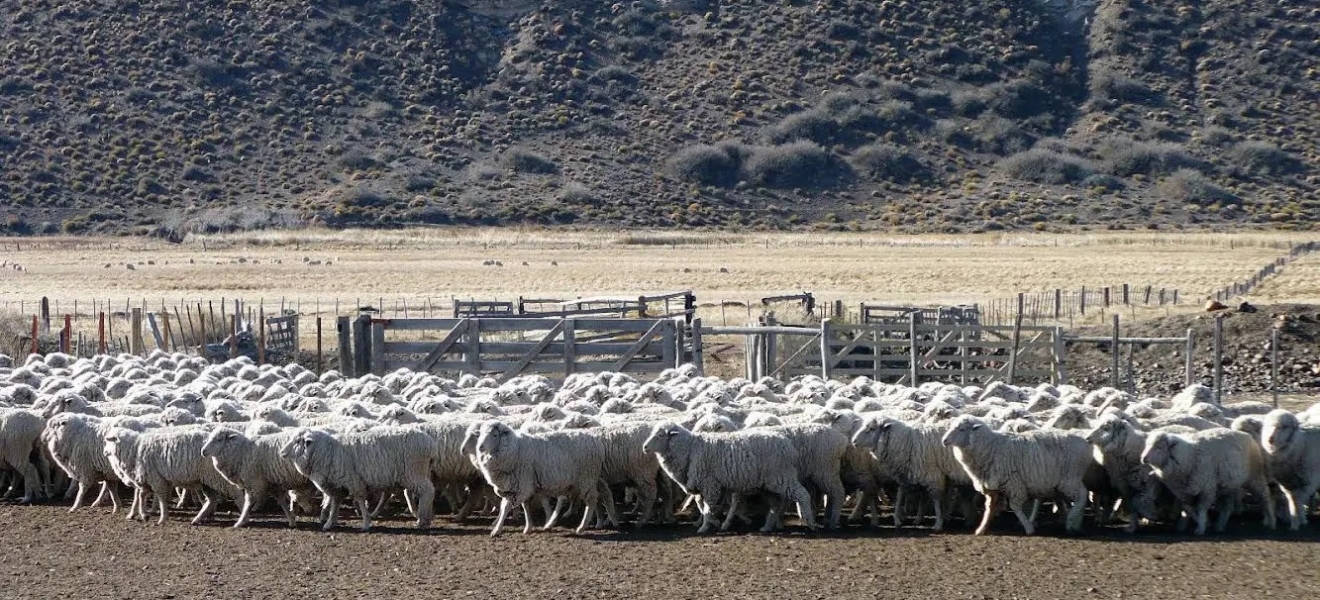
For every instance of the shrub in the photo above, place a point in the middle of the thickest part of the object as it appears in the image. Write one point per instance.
(614, 73)
(996, 134)
(1100, 180)
(576, 193)
(195, 172)
(1127, 157)
(706, 164)
(1107, 84)
(522, 160)
(357, 160)
(800, 164)
(816, 125)
(1017, 99)
(887, 161)
(1191, 186)
(1263, 158)
(1043, 165)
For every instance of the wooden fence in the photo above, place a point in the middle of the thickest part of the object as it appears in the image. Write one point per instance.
(872, 313)
(1059, 305)
(677, 304)
(507, 347)
(1244, 287)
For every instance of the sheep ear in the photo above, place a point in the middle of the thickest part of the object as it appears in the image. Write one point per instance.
(231, 436)
(886, 426)
(976, 426)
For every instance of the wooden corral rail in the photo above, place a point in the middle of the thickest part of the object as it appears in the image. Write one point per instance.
(506, 347)
(954, 315)
(678, 304)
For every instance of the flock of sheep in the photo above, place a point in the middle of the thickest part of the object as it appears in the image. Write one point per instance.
(173, 430)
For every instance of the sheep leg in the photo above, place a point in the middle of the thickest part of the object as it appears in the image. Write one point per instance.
(646, 494)
(331, 509)
(78, 498)
(1018, 505)
(561, 503)
(1201, 512)
(899, 499)
(607, 502)
(1299, 504)
(834, 494)
(31, 482)
(733, 508)
(505, 505)
(993, 501)
(799, 495)
(706, 504)
(246, 512)
(589, 500)
(1078, 510)
(937, 503)
(71, 491)
(425, 492)
(163, 504)
(100, 495)
(1262, 491)
(287, 506)
(209, 503)
(183, 498)
(361, 502)
(380, 504)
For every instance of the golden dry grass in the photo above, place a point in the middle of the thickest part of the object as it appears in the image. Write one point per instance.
(437, 264)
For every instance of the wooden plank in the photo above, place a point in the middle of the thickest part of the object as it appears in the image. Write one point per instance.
(641, 343)
(155, 330)
(343, 327)
(378, 348)
(473, 354)
(570, 340)
(423, 324)
(445, 346)
(698, 350)
(533, 353)
(826, 365)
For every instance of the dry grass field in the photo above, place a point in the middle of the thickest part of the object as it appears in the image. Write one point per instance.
(436, 265)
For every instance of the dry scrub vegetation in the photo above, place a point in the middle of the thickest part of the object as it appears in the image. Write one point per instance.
(440, 263)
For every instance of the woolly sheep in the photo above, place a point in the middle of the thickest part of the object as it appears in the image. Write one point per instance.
(913, 455)
(75, 443)
(1118, 445)
(1191, 395)
(1293, 453)
(21, 449)
(1018, 467)
(361, 463)
(710, 465)
(560, 463)
(1209, 468)
(159, 461)
(253, 464)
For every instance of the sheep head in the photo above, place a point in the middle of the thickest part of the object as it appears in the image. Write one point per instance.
(663, 437)
(1164, 450)
(962, 431)
(1280, 427)
(217, 441)
(495, 437)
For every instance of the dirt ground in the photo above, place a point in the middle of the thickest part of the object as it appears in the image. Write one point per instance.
(48, 553)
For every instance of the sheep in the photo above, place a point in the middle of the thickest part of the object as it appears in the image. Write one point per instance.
(1191, 395)
(1293, 453)
(359, 463)
(1018, 467)
(820, 450)
(913, 455)
(743, 462)
(450, 465)
(626, 463)
(75, 443)
(521, 465)
(253, 464)
(21, 450)
(1209, 468)
(160, 461)
(1118, 445)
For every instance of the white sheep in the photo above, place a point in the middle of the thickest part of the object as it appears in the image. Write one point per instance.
(1293, 453)
(1019, 467)
(253, 464)
(559, 463)
(357, 464)
(159, 461)
(75, 443)
(1118, 446)
(21, 450)
(914, 455)
(1209, 468)
(710, 465)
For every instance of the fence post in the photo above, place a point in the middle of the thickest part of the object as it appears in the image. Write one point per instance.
(343, 330)
(698, 358)
(1017, 341)
(1219, 357)
(826, 369)
(378, 346)
(671, 352)
(135, 333)
(36, 331)
(261, 333)
(1125, 294)
(362, 345)
(771, 347)
(1058, 302)
(45, 314)
(1274, 366)
(1113, 351)
(320, 359)
(1187, 355)
(1081, 298)
(1106, 290)
(570, 346)
(66, 336)
(1059, 349)
(100, 333)
(914, 353)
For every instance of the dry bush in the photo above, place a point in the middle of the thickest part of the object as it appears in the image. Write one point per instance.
(883, 160)
(522, 160)
(1263, 158)
(1043, 165)
(1126, 157)
(1191, 186)
(800, 164)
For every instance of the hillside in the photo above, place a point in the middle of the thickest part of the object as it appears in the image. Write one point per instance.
(153, 115)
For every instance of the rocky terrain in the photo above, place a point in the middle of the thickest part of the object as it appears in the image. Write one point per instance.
(207, 115)
(1159, 369)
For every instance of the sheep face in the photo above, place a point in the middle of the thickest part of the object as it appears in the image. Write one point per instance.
(960, 434)
(1108, 431)
(1164, 450)
(218, 440)
(495, 436)
(299, 449)
(1279, 428)
(662, 436)
(872, 433)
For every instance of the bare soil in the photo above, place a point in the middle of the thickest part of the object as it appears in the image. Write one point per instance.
(49, 553)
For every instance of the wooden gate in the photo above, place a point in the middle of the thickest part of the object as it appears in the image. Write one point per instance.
(507, 347)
